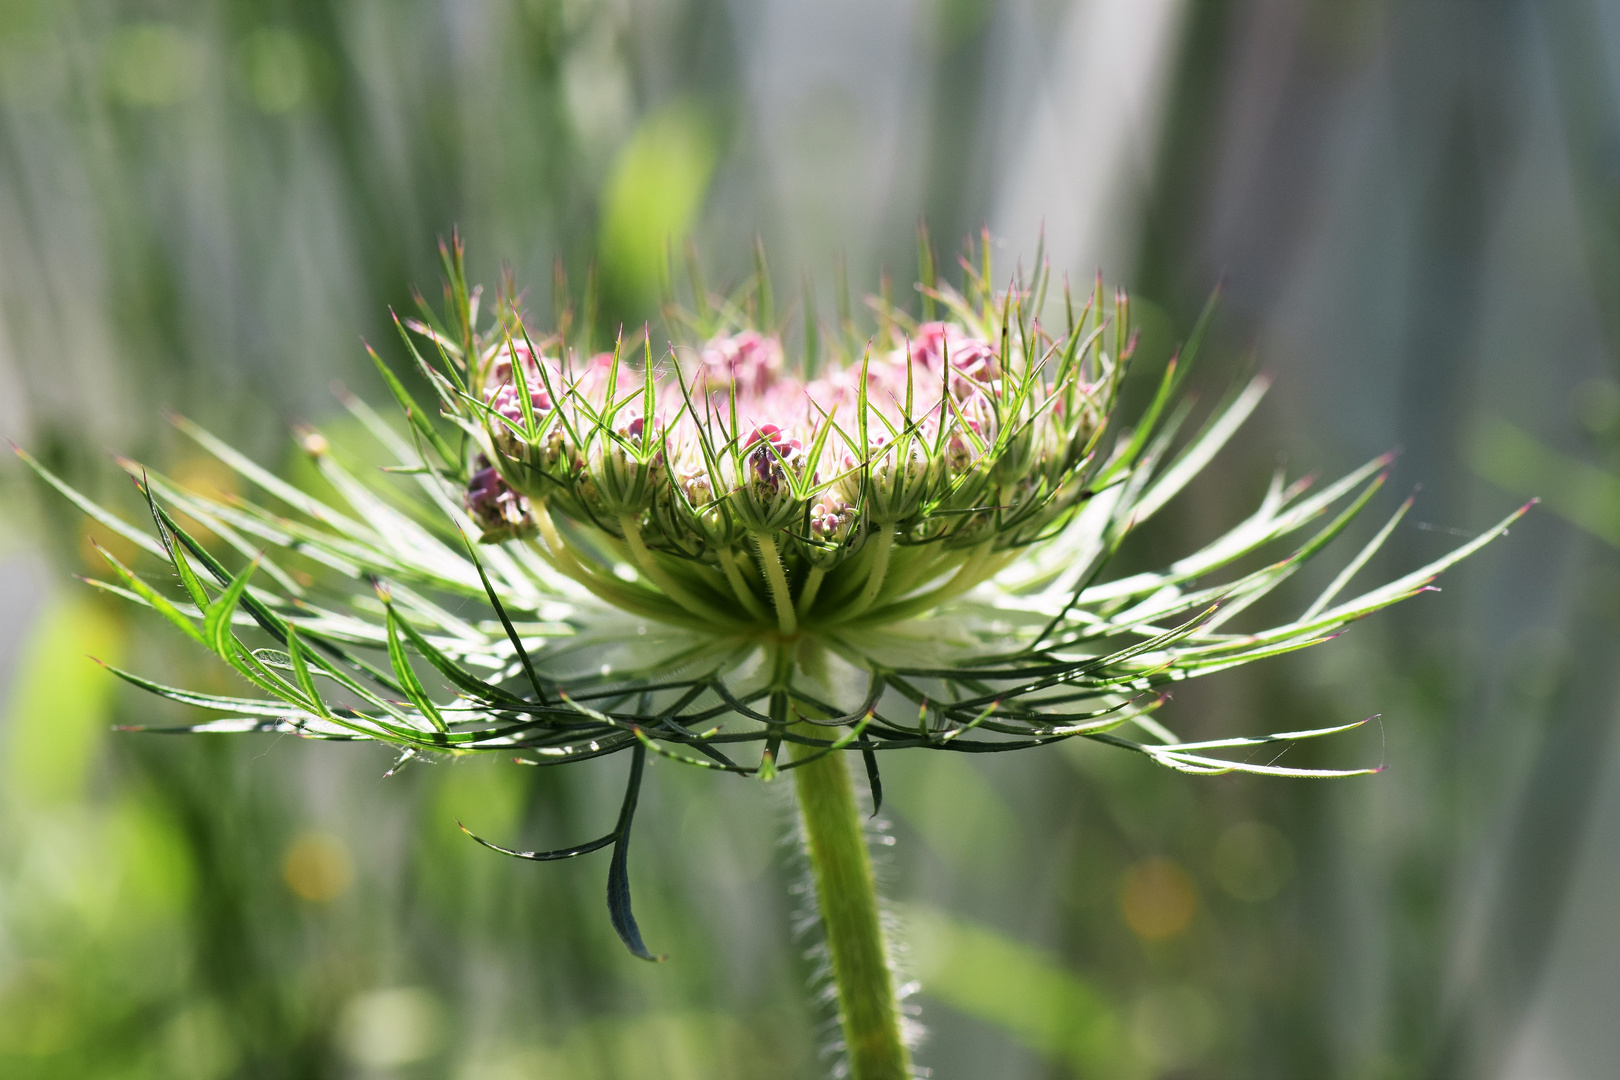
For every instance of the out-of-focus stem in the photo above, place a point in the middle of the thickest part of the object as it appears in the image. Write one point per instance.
(847, 897)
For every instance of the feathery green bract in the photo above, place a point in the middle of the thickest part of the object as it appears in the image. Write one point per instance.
(914, 557)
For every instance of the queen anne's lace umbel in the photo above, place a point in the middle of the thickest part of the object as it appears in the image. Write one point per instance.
(747, 496)
(902, 542)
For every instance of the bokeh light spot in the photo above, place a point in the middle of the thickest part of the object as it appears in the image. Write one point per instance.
(318, 867)
(153, 65)
(385, 1029)
(198, 1045)
(1174, 1026)
(93, 534)
(275, 69)
(1252, 861)
(206, 475)
(1158, 899)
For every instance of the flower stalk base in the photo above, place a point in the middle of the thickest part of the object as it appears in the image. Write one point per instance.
(847, 899)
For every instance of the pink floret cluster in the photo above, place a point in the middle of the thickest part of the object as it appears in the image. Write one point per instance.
(929, 435)
(950, 375)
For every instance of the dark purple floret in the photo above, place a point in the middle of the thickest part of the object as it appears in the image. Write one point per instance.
(500, 512)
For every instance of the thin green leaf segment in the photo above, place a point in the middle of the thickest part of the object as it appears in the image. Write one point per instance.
(907, 543)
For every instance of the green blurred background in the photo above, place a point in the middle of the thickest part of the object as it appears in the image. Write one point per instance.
(1415, 210)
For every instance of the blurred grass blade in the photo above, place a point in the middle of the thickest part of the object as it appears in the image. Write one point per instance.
(92, 509)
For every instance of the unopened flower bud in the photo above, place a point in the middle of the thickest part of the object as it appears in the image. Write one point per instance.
(499, 511)
(750, 362)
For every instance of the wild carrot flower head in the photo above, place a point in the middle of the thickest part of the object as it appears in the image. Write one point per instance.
(750, 499)
(901, 537)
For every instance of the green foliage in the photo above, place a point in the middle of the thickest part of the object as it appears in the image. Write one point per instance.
(652, 198)
(987, 975)
(61, 709)
(1585, 495)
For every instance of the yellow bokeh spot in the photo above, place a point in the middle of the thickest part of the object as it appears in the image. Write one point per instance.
(207, 476)
(210, 478)
(1158, 899)
(317, 867)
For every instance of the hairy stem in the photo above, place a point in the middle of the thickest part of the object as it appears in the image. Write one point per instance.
(847, 897)
(776, 578)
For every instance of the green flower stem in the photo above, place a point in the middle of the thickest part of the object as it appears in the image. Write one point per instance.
(635, 599)
(981, 565)
(874, 581)
(660, 577)
(848, 900)
(739, 587)
(771, 562)
(807, 595)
